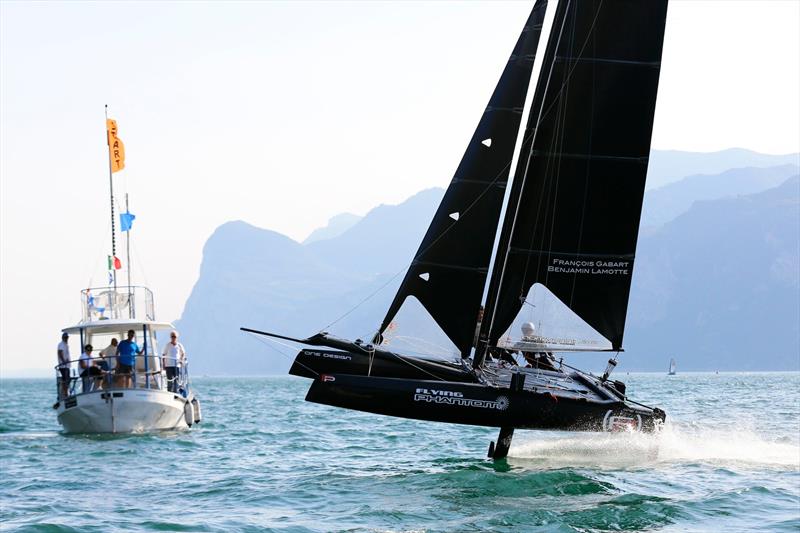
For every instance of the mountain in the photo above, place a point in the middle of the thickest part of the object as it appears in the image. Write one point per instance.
(261, 279)
(716, 286)
(665, 203)
(667, 166)
(335, 227)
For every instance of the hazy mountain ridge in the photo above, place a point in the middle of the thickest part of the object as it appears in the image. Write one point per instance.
(337, 225)
(667, 166)
(667, 202)
(718, 288)
(681, 305)
(385, 239)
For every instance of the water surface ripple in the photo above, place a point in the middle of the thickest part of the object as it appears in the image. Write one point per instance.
(265, 460)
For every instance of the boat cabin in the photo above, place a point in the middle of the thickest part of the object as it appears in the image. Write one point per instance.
(107, 317)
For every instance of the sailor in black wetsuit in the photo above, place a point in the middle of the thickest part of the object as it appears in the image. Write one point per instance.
(540, 360)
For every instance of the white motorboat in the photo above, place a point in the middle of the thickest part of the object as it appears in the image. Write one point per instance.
(99, 394)
(108, 401)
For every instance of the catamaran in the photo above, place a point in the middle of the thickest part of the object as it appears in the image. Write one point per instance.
(100, 393)
(554, 276)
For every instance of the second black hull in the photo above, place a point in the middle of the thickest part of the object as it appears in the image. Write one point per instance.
(477, 404)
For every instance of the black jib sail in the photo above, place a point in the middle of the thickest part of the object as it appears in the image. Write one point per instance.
(573, 216)
(449, 270)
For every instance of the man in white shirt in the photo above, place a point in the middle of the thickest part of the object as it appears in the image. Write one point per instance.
(109, 355)
(63, 363)
(173, 357)
(89, 372)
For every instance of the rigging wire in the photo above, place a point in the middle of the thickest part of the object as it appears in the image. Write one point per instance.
(559, 136)
(486, 189)
(407, 343)
(409, 363)
(525, 175)
(544, 112)
(270, 342)
(405, 268)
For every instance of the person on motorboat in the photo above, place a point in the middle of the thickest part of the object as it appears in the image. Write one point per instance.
(108, 356)
(173, 357)
(127, 351)
(63, 364)
(90, 372)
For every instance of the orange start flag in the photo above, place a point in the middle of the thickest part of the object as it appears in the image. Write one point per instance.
(116, 150)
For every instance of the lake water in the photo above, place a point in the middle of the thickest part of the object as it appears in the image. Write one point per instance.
(263, 459)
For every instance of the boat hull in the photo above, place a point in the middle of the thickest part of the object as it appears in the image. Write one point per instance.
(310, 363)
(122, 411)
(478, 404)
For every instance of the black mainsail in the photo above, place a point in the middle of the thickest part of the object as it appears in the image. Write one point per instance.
(573, 215)
(449, 270)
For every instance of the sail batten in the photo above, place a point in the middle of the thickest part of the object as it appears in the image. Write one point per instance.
(452, 296)
(451, 266)
(585, 255)
(636, 159)
(565, 59)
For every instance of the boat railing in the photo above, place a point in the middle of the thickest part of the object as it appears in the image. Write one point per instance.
(106, 373)
(122, 302)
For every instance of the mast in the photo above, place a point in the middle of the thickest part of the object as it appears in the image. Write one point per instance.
(128, 262)
(573, 215)
(518, 182)
(111, 198)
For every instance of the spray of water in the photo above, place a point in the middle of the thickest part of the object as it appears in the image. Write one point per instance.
(673, 444)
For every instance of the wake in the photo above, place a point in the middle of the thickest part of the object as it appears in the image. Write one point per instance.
(673, 444)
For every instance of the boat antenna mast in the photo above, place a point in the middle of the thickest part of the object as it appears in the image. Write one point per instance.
(111, 197)
(128, 262)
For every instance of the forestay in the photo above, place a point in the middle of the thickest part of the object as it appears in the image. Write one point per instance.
(449, 270)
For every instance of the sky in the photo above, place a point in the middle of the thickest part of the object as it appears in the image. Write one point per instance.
(283, 114)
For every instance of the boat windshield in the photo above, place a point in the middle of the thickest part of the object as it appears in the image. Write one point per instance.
(121, 302)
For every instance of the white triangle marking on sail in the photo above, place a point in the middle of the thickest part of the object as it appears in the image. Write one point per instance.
(487, 142)
(425, 275)
(455, 215)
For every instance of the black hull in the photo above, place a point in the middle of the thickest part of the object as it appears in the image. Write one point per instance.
(386, 383)
(477, 404)
(310, 363)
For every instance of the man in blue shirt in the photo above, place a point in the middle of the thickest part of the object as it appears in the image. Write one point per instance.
(127, 351)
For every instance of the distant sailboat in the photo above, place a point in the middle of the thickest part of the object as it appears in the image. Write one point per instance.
(672, 367)
(569, 232)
